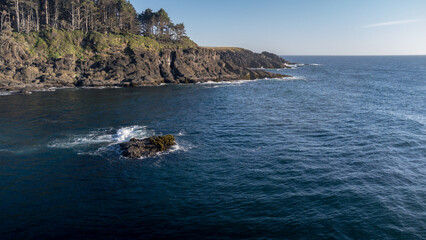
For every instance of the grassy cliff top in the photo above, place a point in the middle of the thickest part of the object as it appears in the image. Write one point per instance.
(54, 44)
(232, 49)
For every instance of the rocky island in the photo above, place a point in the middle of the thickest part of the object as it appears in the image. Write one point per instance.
(86, 43)
(148, 147)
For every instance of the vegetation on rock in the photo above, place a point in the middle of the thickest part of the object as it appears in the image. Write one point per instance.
(138, 148)
(55, 44)
(53, 29)
(162, 142)
(72, 43)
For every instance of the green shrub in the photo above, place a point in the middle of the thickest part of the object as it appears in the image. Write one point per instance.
(163, 142)
(54, 44)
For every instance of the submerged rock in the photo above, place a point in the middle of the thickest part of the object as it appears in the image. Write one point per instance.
(139, 148)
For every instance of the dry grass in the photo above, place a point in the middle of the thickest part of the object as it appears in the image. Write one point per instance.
(232, 49)
(11, 50)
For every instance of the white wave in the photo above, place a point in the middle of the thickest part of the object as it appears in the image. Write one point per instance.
(421, 119)
(11, 93)
(103, 136)
(209, 83)
(48, 90)
(79, 141)
(59, 88)
(227, 83)
(418, 118)
(178, 147)
(294, 65)
(101, 87)
(181, 133)
(51, 89)
(286, 78)
(224, 82)
(294, 78)
(127, 133)
(297, 65)
(213, 84)
(103, 142)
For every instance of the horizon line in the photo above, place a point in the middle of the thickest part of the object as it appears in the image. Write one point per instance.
(354, 55)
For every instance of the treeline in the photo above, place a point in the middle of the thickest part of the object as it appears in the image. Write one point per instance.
(107, 16)
(159, 25)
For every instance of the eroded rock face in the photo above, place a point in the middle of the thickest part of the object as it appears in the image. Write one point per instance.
(139, 68)
(148, 147)
(249, 59)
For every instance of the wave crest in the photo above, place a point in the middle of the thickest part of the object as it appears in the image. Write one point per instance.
(103, 136)
(5, 93)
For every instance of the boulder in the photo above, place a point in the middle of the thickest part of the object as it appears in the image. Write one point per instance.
(30, 74)
(25, 91)
(148, 147)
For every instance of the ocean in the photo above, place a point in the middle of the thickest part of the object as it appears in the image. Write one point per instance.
(336, 152)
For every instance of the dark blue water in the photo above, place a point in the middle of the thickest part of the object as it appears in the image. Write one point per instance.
(339, 152)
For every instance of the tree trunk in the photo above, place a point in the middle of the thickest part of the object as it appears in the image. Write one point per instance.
(22, 18)
(78, 16)
(28, 21)
(72, 16)
(37, 20)
(18, 22)
(56, 15)
(120, 22)
(46, 8)
(87, 20)
(2, 19)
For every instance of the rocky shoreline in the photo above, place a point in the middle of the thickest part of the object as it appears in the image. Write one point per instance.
(22, 72)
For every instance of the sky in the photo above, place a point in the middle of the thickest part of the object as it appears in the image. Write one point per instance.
(303, 27)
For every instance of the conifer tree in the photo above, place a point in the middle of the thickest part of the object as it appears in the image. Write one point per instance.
(107, 16)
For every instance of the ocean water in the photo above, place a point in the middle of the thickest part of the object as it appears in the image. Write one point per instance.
(336, 152)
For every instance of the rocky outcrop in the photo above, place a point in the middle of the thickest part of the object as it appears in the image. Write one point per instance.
(140, 148)
(138, 67)
(249, 59)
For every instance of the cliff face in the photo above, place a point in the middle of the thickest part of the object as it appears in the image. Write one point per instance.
(246, 58)
(130, 66)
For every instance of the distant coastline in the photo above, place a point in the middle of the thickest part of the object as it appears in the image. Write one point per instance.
(109, 60)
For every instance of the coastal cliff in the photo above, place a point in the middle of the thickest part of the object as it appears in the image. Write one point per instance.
(54, 58)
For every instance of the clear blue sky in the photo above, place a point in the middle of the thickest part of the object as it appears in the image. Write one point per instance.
(303, 27)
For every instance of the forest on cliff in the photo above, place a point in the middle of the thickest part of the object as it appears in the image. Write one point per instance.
(48, 44)
(104, 16)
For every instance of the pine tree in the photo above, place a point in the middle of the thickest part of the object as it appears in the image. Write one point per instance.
(108, 16)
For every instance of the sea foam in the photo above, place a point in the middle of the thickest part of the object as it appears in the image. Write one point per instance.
(420, 119)
(107, 136)
(5, 93)
(103, 142)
